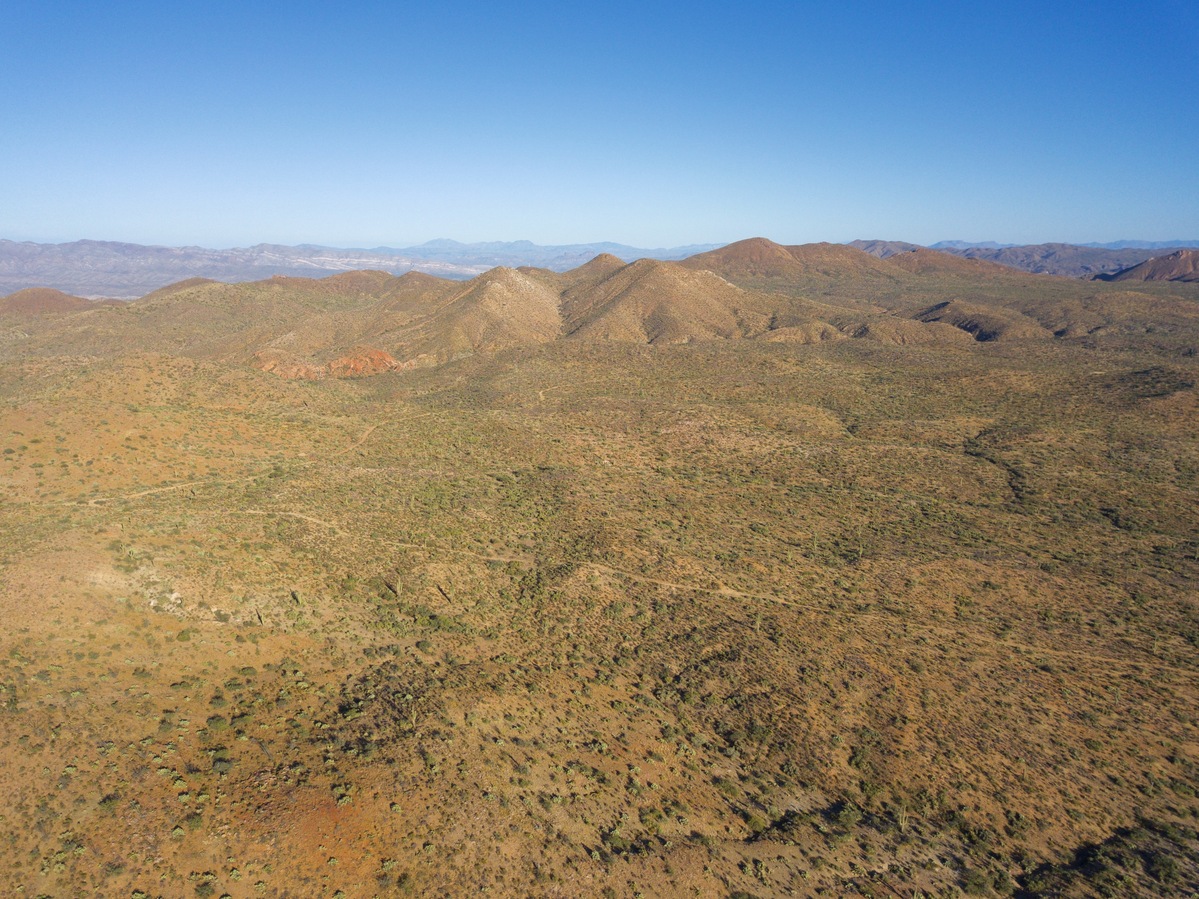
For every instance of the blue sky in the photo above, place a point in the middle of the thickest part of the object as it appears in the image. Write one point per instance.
(654, 124)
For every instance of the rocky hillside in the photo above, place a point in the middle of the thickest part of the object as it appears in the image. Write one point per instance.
(1182, 265)
(361, 323)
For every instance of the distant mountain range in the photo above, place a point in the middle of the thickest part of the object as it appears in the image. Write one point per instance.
(1070, 260)
(523, 252)
(1143, 244)
(361, 323)
(91, 268)
(94, 268)
(1114, 245)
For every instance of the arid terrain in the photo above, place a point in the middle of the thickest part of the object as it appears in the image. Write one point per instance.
(95, 268)
(776, 571)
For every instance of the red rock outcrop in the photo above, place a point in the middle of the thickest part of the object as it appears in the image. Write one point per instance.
(358, 364)
(361, 364)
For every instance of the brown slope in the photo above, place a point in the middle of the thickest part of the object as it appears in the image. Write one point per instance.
(366, 281)
(924, 261)
(178, 286)
(593, 272)
(431, 321)
(656, 302)
(345, 325)
(838, 274)
(420, 321)
(802, 320)
(349, 342)
(1118, 313)
(837, 261)
(345, 342)
(41, 301)
(804, 334)
(204, 319)
(546, 276)
(356, 363)
(661, 302)
(906, 332)
(1061, 259)
(232, 320)
(985, 323)
(500, 308)
(754, 258)
(412, 295)
(758, 260)
(1180, 266)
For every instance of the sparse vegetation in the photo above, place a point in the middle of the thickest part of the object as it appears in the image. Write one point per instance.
(737, 616)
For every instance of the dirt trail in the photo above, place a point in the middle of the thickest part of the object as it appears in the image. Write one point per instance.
(212, 482)
(300, 515)
(438, 550)
(152, 490)
(370, 430)
(357, 443)
(541, 393)
(719, 590)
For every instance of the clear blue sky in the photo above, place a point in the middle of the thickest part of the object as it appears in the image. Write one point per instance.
(656, 124)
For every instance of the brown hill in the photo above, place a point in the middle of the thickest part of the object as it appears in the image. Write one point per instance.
(756, 256)
(759, 262)
(836, 260)
(923, 261)
(906, 332)
(985, 323)
(360, 323)
(178, 286)
(214, 320)
(369, 313)
(659, 302)
(366, 281)
(864, 295)
(41, 301)
(500, 308)
(590, 273)
(1180, 266)
(1060, 258)
(804, 334)
(412, 317)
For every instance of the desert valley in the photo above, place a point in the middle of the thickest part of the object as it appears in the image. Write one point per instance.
(768, 571)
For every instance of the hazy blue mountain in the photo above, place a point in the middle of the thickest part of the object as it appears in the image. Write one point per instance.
(97, 268)
(1061, 258)
(522, 252)
(884, 249)
(1071, 260)
(967, 244)
(1143, 244)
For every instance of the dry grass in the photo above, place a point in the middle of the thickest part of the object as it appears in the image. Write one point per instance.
(587, 618)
